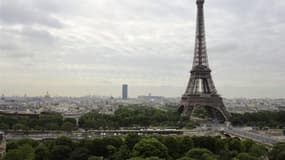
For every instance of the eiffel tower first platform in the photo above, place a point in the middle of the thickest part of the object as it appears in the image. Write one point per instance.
(201, 91)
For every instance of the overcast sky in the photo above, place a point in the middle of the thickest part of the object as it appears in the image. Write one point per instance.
(83, 47)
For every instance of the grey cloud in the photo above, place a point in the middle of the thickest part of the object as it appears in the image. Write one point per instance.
(21, 12)
(25, 41)
(27, 36)
(18, 54)
(38, 36)
(146, 43)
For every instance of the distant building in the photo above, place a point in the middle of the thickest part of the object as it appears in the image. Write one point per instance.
(280, 108)
(149, 97)
(124, 91)
(47, 96)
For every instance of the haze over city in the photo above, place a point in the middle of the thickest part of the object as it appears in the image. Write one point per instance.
(74, 48)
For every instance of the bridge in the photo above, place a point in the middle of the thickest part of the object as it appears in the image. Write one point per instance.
(260, 138)
(228, 130)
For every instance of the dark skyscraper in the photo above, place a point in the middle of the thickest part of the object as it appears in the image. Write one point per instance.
(125, 91)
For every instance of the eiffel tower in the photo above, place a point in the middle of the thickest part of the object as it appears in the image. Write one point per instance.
(201, 91)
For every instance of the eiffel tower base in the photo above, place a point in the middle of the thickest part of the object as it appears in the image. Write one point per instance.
(212, 103)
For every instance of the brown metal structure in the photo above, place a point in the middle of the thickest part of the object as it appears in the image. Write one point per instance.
(201, 91)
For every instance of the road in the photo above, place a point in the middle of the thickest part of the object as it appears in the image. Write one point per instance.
(10, 135)
(234, 132)
(264, 139)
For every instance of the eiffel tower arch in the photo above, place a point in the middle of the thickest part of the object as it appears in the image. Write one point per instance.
(201, 91)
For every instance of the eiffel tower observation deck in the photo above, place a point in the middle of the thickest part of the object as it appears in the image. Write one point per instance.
(201, 91)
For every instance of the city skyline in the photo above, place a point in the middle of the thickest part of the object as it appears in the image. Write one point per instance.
(74, 48)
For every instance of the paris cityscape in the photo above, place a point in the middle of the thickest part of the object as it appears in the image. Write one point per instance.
(142, 80)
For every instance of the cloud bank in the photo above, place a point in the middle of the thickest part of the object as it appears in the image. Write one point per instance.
(86, 47)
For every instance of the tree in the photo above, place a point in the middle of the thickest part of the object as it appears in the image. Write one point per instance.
(281, 156)
(68, 126)
(261, 119)
(12, 145)
(52, 126)
(211, 143)
(227, 155)
(150, 147)
(136, 158)
(185, 158)
(94, 120)
(66, 141)
(20, 126)
(245, 156)
(173, 146)
(97, 147)
(27, 151)
(146, 148)
(71, 120)
(236, 145)
(113, 140)
(132, 139)
(60, 152)
(200, 153)
(154, 158)
(4, 126)
(209, 157)
(258, 150)
(185, 143)
(148, 158)
(110, 150)
(123, 153)
(95, 158)
(13, 154)
(277, 151)
(246, 145)
(189, 125)
(79, 154)
(28, 141)
(41, 152)
(24, 152)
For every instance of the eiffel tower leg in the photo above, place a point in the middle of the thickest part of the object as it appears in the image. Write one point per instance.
(217, 113)
(189, 111)
(224, 113)
(186, 111)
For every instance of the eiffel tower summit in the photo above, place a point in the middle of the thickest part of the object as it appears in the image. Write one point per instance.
(201, 91)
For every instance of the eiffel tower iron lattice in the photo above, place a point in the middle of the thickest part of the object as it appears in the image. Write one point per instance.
(201, 91)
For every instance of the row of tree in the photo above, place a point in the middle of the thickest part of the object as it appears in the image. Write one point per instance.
(133, 147)
(132, 116)
(260, 119)
(50, 121)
